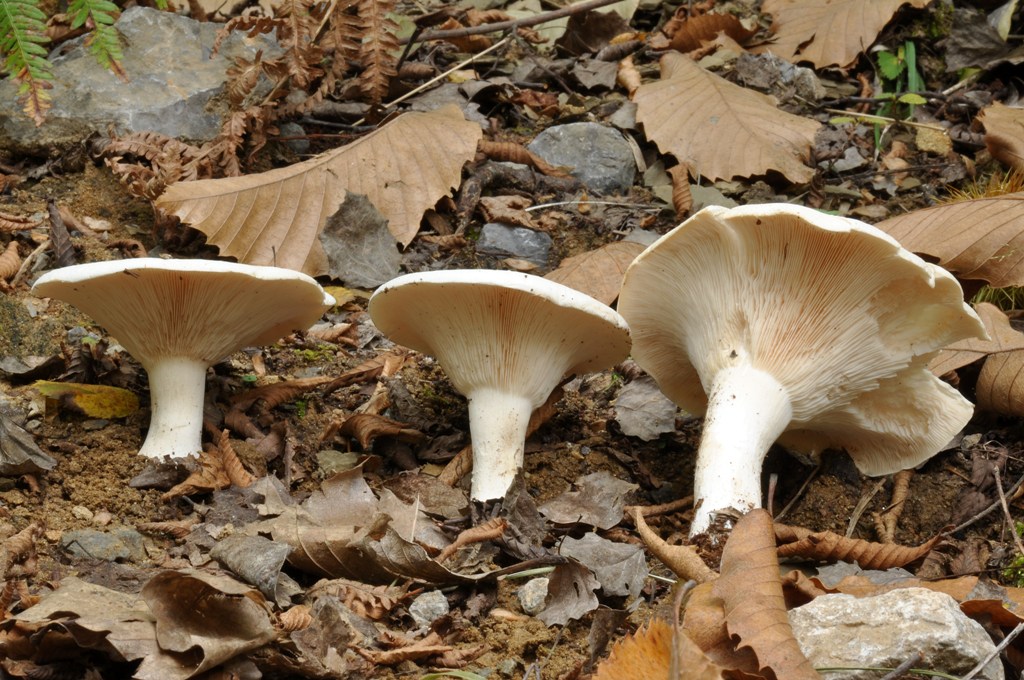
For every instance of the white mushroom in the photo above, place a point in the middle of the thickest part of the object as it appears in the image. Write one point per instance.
(784, 323)
(178, 317)
(505, 339)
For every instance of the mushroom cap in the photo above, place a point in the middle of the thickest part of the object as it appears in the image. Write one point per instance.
(501, 329)
(835, 309)
(200, 309)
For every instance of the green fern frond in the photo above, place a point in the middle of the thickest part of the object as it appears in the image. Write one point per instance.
(22, 36)
(103, 43)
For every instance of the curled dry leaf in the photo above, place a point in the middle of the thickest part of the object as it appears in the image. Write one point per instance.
(628, 76)
(490, 530)
(12, 223)
(999, 387)
(295, 618)
(682, 199)
(278, 393)
(751, 592)
(210, 476)
(683, 560)
(372, 602)
(719, 129)
(828, 32)
(1004, 134)
(233, 468)
(173, 528)
(829, 546)
(980, 239)
(10, 261)
(647, 655)
(365, 427)
(517, 153)
(276, 217)
(690, 34)
(598, 272)
(1003, 339)
(18, 552)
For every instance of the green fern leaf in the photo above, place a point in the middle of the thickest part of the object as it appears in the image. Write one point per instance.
(104, 43)
(22, 36)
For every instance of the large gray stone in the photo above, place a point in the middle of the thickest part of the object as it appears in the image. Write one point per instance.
(884, 630)
(595, 154)
(118, 545)
(504, 240)
(173, 89)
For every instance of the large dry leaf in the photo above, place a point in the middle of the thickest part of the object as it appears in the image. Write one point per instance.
(1000, 386)
(719, 129)
(647, 655)
(276, 217)
(1003, 338)
(598, 500)
(704, 623)
(828, 546)
(751, 592)
(828, 32)
(1004, 134)
(980, 239)
(599, 272)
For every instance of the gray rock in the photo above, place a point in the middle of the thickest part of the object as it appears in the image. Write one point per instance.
(501, 239)
(173, 89)
(884, 630)
(596, 155)
(532, 596)
(428, 607)
(114, 546)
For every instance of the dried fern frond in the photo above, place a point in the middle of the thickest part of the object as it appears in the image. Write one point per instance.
(380, 48)
(103, 43)
(22, 36)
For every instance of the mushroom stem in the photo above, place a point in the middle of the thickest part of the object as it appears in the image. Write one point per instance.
(177, 388)
(497, 425)
(747, 410)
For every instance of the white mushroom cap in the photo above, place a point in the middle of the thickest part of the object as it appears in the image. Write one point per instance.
(837, 315)
(177, 317)
(505, 339)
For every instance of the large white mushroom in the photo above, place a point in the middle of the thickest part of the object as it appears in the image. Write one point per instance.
(505, 340)
(782, 323)
(178, 317)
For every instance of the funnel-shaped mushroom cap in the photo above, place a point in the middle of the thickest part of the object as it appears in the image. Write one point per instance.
(201, 309)
(500, 328)
(840, 315)
(505, 339)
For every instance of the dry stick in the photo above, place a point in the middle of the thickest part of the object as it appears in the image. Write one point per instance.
(903, 668)
(799, 493)
(661, 509)
(985, 512)
(1006, 510)
(525, 22)
(995, 652)
(862, 505)
(29, 261)
(886, 521)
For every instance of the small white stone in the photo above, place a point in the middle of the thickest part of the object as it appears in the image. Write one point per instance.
(428, 607)
(532, 596)
(82, 512)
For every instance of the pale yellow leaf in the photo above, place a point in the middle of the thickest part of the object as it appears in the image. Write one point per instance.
(1003, 338)
(599, 272)
(828, 32)
(1004, 134)
(719, 129)
(980, 239)
(95, 401)
(276, 217)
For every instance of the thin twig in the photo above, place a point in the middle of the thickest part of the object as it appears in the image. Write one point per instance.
(524, 22)
(903, 668)
(872, 118)
(862, 505)
(799, 493)
(995, 652)
(1006, 510)
(985, 512)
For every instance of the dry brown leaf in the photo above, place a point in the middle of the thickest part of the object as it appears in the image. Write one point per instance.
(831, 547)
(751, 592)
(1000, 386)
(1004, 134)
(1003, 339)
(233, 468)
(369, 369)
(683, 560)
(599, 272)
(691, 34)
(12, 223)
(828, 32)
(628, 76)
(704, 623)
(210, 476)
(296, 618)
(372, 602)
(276, 217)
(517, 153)
(278, 393)
(490, 530)
(647, 655)
(365, 427)
(10, 261)
(980, 239)
(719, 129)
(509, 209)
(174, 528)
(682, 199)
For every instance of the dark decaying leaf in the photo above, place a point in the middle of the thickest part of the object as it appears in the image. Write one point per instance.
(359, 248)
(19, 453)
(829, 546)
(258, 561)
(620, 568)
(751, 594)
(571, 594)
(599, 501)
(642, 410)
(60, 239)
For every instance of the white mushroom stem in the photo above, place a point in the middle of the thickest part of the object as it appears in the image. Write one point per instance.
(747, 410)
(498, 421)
(177, 387)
